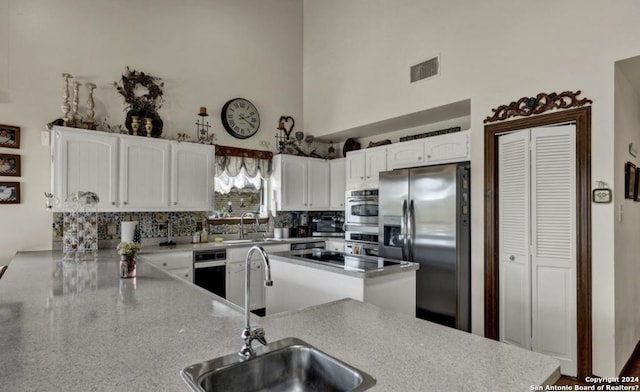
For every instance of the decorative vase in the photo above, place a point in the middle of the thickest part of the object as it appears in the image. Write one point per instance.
(127, 266)
(148, 125)
(142, 114)
(135, 124)
(277, 232)
(285, 232)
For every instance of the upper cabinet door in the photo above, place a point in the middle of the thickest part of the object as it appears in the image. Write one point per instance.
(453, 147)
(376, 162)
(192, 175)
(405, 154)
(294, 183)
(144, 173)
(84, 161)
(317, 184)
(355, 167)
(337, 185)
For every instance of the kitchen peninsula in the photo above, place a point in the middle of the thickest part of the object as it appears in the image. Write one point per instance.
(316, 276)
(77, 326)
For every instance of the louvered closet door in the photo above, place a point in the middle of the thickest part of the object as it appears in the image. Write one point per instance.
(513, 220)
(553, 244)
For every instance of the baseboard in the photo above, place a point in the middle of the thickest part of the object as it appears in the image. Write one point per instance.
(635, 355)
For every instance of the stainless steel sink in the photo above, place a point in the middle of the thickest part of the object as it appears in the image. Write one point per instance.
(242, 241)
(285, 365)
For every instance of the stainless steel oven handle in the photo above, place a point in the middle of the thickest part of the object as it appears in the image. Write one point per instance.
(403, 230)
(356, 199)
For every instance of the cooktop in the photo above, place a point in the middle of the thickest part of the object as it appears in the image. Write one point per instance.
(348, 262)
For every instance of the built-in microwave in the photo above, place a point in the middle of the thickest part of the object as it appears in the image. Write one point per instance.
(362, 207)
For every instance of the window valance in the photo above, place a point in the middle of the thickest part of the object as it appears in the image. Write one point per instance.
(231, 161)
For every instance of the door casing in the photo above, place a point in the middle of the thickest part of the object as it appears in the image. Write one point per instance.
(582, 118)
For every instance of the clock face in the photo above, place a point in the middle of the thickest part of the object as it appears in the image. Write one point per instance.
(240, 118)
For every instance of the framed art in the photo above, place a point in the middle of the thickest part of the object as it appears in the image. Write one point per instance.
(636, 191)
(9, 136)
(9, 165)
(629, 181)
(9, 193)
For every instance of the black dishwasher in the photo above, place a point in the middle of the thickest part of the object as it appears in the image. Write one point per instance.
(210, 270)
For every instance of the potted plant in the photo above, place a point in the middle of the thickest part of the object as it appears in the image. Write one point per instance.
(281, 223)
(127, 251)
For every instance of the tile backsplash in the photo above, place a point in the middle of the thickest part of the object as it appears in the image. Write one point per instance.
(150, 224)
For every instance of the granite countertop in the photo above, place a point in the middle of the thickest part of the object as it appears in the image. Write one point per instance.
(235, 243)
(78, 326)
(376, 264)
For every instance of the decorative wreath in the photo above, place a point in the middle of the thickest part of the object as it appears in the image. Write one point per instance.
(151, 101)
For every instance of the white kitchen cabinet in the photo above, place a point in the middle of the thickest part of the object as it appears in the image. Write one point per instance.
(144, 173)
(300, 183)
(235, 275)
(192, 175)
(405, 154)
(338, 184)
(364, 166)
(434, 150)
(131, 172)
(85, 161)
(235, 284)
(335, 245)
(179, 264)
(452, 147)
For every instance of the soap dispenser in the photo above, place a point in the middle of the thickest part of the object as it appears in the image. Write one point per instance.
(204, 234)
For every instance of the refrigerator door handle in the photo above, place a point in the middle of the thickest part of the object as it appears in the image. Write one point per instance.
(410, 230)
(403, 230)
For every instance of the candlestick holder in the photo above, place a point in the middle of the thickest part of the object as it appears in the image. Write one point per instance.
(65, 98)
(202, 127)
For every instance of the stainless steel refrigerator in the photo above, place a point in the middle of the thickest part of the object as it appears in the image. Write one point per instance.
(424, 217)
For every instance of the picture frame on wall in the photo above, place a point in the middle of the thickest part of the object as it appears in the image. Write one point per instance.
(636, 191)
(630, 185)
(9, 136)
(9, 193)
(9, 165)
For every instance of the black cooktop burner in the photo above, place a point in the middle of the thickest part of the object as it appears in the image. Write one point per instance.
(338, 259)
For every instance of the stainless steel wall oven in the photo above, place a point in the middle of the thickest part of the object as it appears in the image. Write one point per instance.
(362, 207)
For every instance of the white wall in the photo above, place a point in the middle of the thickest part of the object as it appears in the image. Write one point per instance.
(627, 246)
(206, 52)
(357, 55)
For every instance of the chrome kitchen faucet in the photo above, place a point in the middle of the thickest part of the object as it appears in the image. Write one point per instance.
(248, 334)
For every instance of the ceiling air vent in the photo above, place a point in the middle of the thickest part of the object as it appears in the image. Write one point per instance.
(425, 69)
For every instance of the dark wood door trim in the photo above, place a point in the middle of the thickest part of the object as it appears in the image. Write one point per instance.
(582, 117)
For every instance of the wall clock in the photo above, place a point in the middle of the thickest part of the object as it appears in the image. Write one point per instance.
(240, 118)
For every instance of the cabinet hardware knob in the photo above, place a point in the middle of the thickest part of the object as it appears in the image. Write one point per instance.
(512, 258)
(175, 203)
(428, 156)
(125, 203)
(164, 264)
(186, 275)
(113, 203)
(362, 178)
(419, 158)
